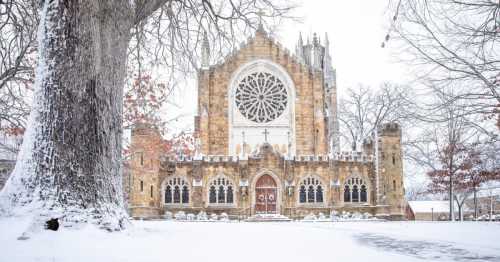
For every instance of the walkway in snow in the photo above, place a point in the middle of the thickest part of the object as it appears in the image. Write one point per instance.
(296, 241)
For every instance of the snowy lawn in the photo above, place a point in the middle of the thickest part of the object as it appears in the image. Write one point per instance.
(219, 241)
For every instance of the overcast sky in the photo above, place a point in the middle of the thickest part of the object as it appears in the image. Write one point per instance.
(355, 29)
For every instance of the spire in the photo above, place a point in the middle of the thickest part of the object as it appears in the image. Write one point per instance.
(205, 51)
(315, 39)
(300, 43)
(260, 28)
(299, 52)
(327, 42)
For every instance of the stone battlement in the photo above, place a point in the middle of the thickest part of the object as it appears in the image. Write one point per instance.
(340, 157)
(389, 129)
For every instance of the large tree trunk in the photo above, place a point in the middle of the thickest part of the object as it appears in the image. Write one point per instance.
(69, 166)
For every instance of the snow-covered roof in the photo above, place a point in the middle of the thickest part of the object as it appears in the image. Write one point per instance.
(430, 206)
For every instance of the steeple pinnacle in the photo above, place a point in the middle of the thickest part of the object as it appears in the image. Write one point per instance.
(205, 52)
(299, 51)
(260, 28)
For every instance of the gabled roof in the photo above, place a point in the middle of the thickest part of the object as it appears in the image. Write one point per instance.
(260, 33)
(429, 206)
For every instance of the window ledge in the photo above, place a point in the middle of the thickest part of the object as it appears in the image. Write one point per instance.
(176, 205)
(222, 205)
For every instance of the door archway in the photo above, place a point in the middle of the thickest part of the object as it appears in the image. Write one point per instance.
(266, 195)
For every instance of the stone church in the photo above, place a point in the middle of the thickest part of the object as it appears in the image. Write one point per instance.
(268, 136)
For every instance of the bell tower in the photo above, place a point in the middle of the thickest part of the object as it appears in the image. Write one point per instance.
(390, 170)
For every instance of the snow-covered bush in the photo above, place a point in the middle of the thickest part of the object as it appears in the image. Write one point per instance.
(214, 216)
(345, 215)
(224, 217)
(357, 216)
(334, 215)
(321, 216)
(191, 217)
(168, 215)
(367, 215)
(202, 216)
(180, 215)
(310, 217)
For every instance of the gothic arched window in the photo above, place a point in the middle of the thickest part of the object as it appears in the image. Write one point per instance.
(177, 194)
(168, 195)
(176, 191)
(311, 190)
(347, 194)
(319, 194)
(221, 195)
(185, 194)
(221, 191)
(355, 193)
(310, 194)
(363, 196)
(212, 198)
(302, 194)
(261, 97)
(355, 190)
(229, 195)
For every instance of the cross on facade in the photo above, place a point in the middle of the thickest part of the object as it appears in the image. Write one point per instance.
(265, 134)
(260, 13)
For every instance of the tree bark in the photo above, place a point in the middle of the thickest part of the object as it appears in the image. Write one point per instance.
(69, 166)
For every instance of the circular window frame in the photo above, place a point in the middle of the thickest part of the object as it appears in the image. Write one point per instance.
(261, 96)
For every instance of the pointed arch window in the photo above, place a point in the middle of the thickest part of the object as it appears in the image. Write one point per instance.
(177, 194)
(363, 196)
(168, 195)
(185, 194)
(311, 191)
(229, 196)
(302, 194)
(355, 190)
(355, 193)
(347, 194)
(212, 195)
(177, 191)
(319, 194)
(221, 191)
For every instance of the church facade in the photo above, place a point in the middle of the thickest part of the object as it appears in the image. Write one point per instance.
(268, 135)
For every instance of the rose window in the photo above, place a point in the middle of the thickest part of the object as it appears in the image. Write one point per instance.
(261, 97)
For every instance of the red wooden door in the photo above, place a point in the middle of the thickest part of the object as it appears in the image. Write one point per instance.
(265, 195)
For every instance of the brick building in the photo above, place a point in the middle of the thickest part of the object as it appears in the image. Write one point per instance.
(268, 143)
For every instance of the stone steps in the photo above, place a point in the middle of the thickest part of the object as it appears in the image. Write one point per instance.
(268, 218)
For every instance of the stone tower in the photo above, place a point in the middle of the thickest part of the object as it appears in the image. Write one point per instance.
(145, 146)
(318, 57)
(390, 170)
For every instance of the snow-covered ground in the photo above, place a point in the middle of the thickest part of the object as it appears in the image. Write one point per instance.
(233, 241)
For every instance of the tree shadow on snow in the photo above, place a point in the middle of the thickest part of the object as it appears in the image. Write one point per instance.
(422, 249)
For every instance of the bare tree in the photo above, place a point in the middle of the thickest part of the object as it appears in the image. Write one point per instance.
(18, 21)
(453, 43)
(69, 164)
(442, 145)
(362, 109)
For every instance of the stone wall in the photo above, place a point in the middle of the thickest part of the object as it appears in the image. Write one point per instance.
(244, 173)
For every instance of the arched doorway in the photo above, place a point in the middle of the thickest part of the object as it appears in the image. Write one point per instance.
(266, 195)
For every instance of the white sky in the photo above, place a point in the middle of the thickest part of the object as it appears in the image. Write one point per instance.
(355, 29)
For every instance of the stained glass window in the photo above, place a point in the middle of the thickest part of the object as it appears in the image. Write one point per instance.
(311, 191)
(261, 97)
